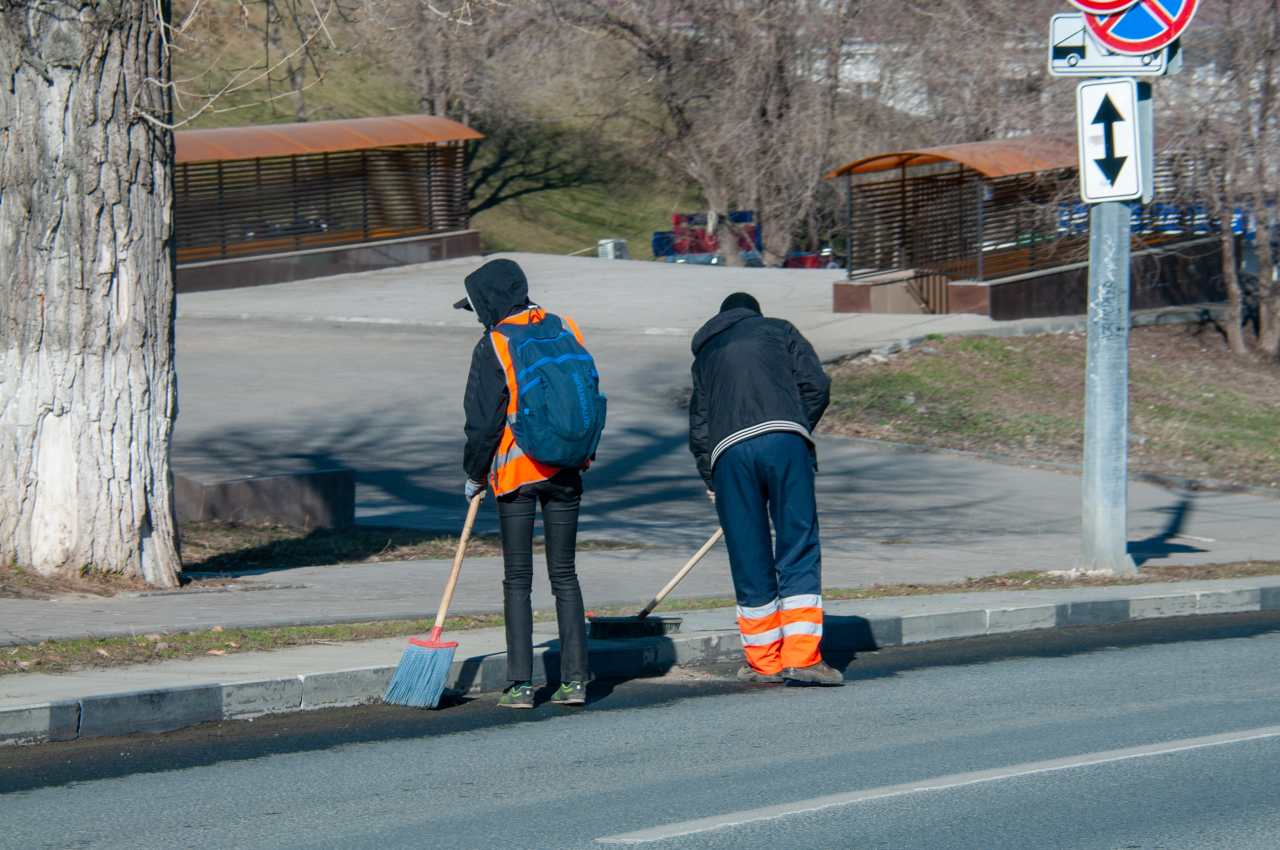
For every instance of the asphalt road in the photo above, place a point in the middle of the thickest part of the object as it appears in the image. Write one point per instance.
(911, 726)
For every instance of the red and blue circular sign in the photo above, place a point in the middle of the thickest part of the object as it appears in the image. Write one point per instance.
(1102, 7)
(1144, 27)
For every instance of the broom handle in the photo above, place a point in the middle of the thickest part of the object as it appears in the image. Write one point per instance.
(684, 571)
(457, 565)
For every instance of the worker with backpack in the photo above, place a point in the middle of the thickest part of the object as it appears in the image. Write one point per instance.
(534, 417)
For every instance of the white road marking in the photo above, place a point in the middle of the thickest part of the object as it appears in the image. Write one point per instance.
(658, 833)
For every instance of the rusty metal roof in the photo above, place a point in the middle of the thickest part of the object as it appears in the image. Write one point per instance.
(994, 158)
(316, 137)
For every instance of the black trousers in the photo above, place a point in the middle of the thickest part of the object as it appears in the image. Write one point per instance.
(560, 497)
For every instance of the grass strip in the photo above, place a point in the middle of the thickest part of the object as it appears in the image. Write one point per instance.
(1007, 581)
(62, 656)
(1195, 410)
(213, 550)
(54, 656)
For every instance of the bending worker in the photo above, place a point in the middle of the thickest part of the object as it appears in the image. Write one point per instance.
(758, 392)
(531, 452)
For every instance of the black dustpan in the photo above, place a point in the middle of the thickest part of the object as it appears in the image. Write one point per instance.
(641, 624)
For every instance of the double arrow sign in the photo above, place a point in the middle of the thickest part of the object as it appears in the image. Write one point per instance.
(1107, 116)
(1113, 164)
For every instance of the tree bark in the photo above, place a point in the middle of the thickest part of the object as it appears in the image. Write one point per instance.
(1268, 282)
(1231, 276)
(87, 386)
(1220, 196)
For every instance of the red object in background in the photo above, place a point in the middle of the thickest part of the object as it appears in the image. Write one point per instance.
(691, 236)
(803, 261)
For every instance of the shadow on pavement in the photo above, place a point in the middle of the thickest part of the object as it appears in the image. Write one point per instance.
(1160, 545)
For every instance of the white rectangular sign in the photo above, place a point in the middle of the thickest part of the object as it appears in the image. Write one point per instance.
(1073, 51)
(1111, 160)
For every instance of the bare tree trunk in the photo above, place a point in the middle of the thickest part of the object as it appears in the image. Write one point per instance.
(297, 78)
(87, 385)
(295, 74)
(1219, 194)
(1268, 283)
(1231, 275)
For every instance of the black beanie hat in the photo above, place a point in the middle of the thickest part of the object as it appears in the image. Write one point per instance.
(740, 299)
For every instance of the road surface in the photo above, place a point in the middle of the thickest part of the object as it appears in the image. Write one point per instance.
(1160, 734)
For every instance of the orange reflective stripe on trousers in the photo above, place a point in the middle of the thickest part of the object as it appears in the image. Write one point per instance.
(800, 622)
(761, 630)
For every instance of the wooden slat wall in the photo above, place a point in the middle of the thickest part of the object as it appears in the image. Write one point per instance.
(250, 207)
(930, 222)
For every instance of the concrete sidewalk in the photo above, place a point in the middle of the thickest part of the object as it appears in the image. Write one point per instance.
(160, 697)
(887, 517)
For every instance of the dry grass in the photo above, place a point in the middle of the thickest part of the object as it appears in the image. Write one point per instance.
(54, 656)
(17, 583)
(210, 550)
(237, 546)
(1008, 581)
(1195, 411)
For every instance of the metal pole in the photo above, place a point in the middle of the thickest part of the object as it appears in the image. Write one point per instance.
(1103, 544)
(982, 202)
(848, 221)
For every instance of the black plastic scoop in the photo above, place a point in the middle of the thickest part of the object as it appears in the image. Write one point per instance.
(641, 624)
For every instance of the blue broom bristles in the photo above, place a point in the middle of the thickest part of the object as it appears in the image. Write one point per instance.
(420, 677)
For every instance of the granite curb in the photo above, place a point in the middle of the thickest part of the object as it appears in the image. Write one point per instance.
(170, 708)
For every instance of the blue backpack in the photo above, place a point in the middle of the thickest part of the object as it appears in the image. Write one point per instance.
(559, 409)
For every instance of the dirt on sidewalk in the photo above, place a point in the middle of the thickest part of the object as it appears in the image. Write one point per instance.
(212, 550)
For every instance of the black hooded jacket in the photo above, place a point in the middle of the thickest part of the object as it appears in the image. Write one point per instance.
(496, 290)
(751, 376)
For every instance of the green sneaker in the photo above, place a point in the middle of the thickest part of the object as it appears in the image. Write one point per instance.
(517, 696)
(570, 693)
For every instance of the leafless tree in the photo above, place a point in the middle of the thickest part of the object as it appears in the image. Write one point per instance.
(976, 68)
(507, 70)
(87, 390)
(246, 55)
(1222, 114)
(740, 94)
(87, 385)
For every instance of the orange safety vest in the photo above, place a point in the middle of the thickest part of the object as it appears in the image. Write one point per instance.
(511, 466)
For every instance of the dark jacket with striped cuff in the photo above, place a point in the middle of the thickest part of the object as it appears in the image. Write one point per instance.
(751, 376)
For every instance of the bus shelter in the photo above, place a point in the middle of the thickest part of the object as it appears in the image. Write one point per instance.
(277, 202)
(1003, 210)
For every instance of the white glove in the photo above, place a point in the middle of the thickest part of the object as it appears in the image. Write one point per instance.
(474, 487)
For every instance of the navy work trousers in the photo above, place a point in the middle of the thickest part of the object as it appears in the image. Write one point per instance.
(769, 477)
(779, 586)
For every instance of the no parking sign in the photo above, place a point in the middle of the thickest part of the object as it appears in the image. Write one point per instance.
(1102, 7)
(1143, 27)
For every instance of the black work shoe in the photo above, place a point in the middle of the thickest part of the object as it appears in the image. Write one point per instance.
(517, 696)
(747, 673)
(815, 674)
(570, 693)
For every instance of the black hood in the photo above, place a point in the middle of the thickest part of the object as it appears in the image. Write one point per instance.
(495, 289)
(719, 323)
